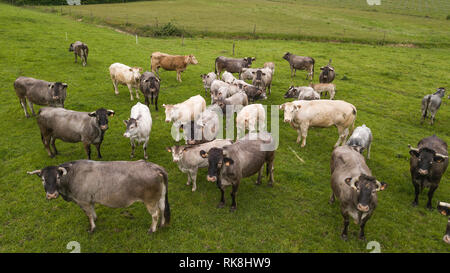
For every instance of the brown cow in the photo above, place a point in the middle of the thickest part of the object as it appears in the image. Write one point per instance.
(171, 62)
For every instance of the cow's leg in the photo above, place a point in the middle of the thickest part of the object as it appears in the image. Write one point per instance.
(416, 193)
(97, 146)
(52, 141)
(361, 228)
(222, 198)
(46, 140)
(133, 146)
(156, 102)
(90, 213)
(153, 209)
(270, 166)
(258, 181)
(304, 128)
(189, 179)
(368, 150)
(270, 88)
(179, 76)
(432, 118)
(137, 92)
(341, 138)
(30, 104)
(75, 56)
(131, 91)
(430, 196)
(332, 198)
(299, 136)
(23, 102)
(145, 149)
(194, 180)
(116, 91)
(346, 223)
(87, 148)
(233, 196)
(332, 93)
(151, 97)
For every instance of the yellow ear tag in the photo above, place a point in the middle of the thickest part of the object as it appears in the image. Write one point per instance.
(227, 163)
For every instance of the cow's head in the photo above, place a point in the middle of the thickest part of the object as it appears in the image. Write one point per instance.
(58, 92)
(366, 188)
(136, 73)
(291, 93)
(426, 158)
(71, 47)
(132, 126)
(326, 70)
(171, 112)
(50, 177)
(215, 161)
(249, 61)
(254, 92)
(286, 56)
(191, 59)
(177, 152)
(257, 76)
(289, 109)
(440, 91)
(101, 116)
(151, 81)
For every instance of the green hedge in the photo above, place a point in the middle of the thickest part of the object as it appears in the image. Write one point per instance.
(61, 2)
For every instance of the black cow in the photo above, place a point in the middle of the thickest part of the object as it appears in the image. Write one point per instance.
(149, 86)
(327, 74)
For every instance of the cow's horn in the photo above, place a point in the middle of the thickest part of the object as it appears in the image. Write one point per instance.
(412, 148)
(441, 155)
(34, 172)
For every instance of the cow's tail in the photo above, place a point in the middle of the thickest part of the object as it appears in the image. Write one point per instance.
(215, 66)
(313, 62)
(166, 199)
(426, 107)
(354, 119)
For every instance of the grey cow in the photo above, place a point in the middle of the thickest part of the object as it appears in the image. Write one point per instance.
(149, 85)
(233, 103)
(300, 63)
(80, 49)
(72, 126)
(361, 139)
(428, 163)
(244, 158)
(262, 79)
(205, 128)
(39, 92)
(355, 187)
(115, 184)
(431, 104)
(327, 74)
(294, 91)
(189, 160)
(231, 65)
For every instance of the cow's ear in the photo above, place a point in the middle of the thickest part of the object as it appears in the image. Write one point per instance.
(228, 161)
(169, 149)
(253, 72)
(348, 180)
(282, 107)
(263, 74)
(92, 114)
(110, 113)
(131, 69)
(203, 154)
(125, 122)
(140, 69)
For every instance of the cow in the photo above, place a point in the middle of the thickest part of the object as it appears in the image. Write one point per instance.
(431, 104)
(262, 78)
(355, 187)
(271, 66)
(428, 163)
(72, 126)
(228, 77)
(247, 73)
(114, 184)
(231, 65)
(324, 88)
(308, 94)
(189, 160)
(39, 92)
(80, 49)
(139, 126)
(184, 112)
(253, 93)
(327, 74)
(303, 114)
(444, 209)
(233, 103)
(149, 84)
(294, 91)
(206, 127)
(222, 90)
(207, 80)
(361, 139)
(244, 158)
(171, 62)
(249, 118)
(300, 63)
(125, 75)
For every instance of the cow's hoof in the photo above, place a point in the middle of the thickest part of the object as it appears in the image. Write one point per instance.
(258, 182)
(90, 230)
(414, 204)
(232, 209)
(117, 93)
(149, 232)
(270, 184)
(362, 238)
(303, 145)
(131, 156)
(188, 183)
(220, 205)
(429, 207)
(194, 189)
(344, 237)
(99, 157)
(52, 156)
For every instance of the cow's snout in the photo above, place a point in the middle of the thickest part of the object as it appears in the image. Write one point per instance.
(51, 195)
(423, 172)
(211, 178)
(55, 97)
(446, 238)
(363, 208)
(104, 127)
(126, 134)
(167, 120)
(287, 120)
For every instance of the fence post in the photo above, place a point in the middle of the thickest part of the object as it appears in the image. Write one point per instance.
(233, 48)
(254, 30)
(136, 39)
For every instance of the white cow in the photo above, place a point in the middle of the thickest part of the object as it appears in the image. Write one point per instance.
(139, 126)
(207, 80)
(361, 139)
(125, 75)
(228, 77)
(249, 117)
(303, 114)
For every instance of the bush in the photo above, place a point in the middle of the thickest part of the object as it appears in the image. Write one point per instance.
(61, 2)
(168, 29)
(448, 17)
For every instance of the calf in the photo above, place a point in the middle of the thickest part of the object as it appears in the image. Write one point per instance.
(308, 94)
(125, 75)
(234, 102)
(39, 92)
(247, 73)
(444, 209)
(72, 126)
(361, 139)
(428, 163)
(319, 113)
(149, 85)
(355, 187)
(301, 63)
(114, 184)
(189, 160)
(222, 90)
(207, 80)
(327, 74)
(294, 91)
(171, 62)
(271, 66)
(262, 78)
(249, 118)
(253, 92)
(80, 49)
(431, 104)
(231, 65)
(138, 126)
(229, 164)
(324, 88)
(228, 77)
(206, 127)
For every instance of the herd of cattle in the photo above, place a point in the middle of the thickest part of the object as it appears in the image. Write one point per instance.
(121, 183)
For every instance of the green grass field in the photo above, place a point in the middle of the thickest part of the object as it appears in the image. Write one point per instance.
(406, 22)
(386, 84)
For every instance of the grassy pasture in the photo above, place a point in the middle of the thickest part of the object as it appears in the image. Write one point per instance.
(386, 85)
(407, 21)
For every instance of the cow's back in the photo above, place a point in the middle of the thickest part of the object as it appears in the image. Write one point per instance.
(324, 113)
(31, 87)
